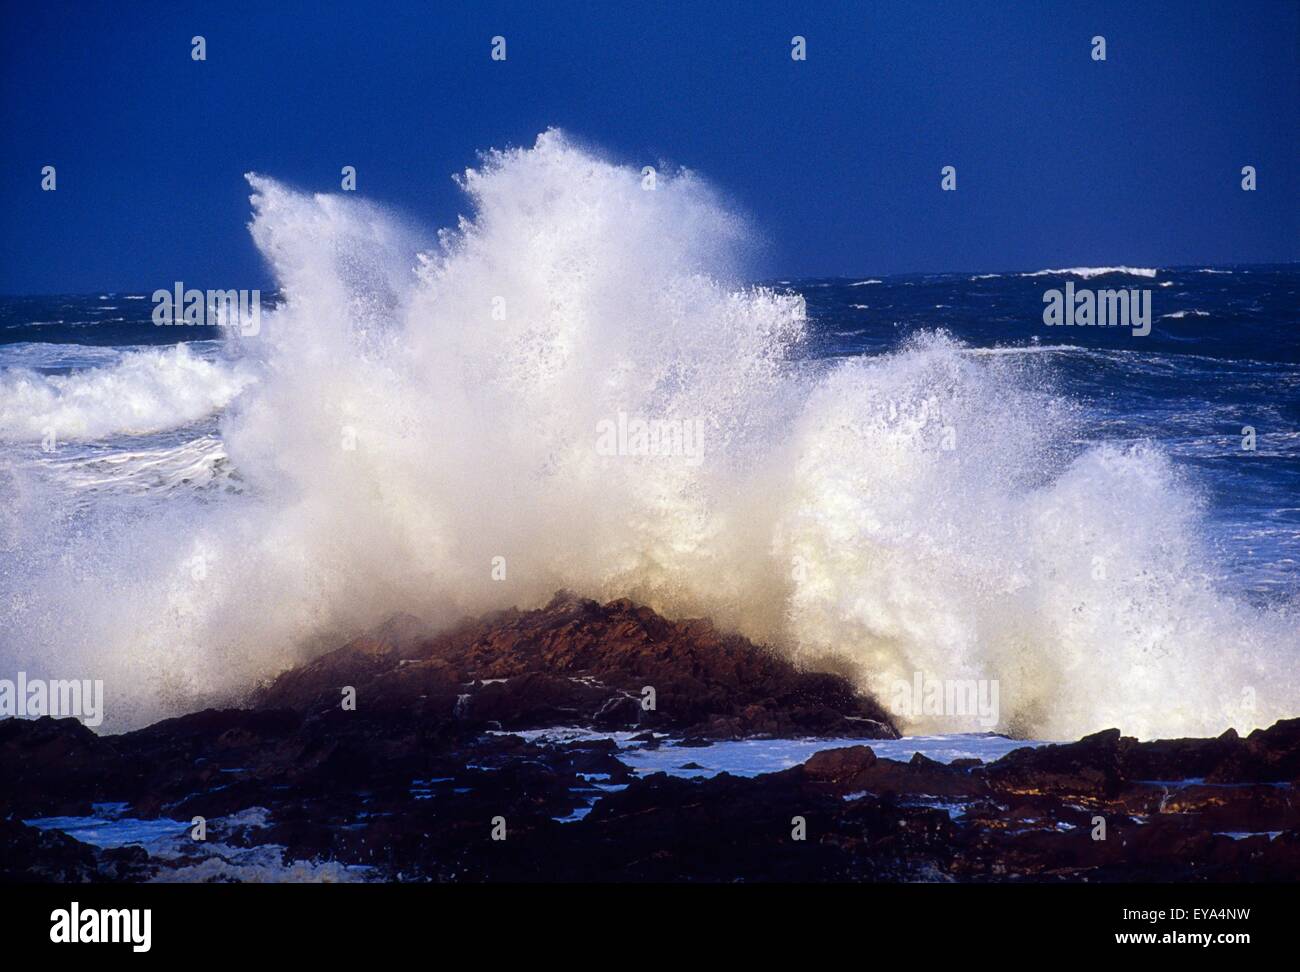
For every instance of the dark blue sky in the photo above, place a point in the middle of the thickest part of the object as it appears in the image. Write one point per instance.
(1061, 160)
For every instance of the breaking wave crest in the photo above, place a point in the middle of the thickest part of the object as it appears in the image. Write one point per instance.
(411, 418)
(142, 392)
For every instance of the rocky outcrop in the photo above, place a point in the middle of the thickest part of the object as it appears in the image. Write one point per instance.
(425, 779)
(579, 663)
(29, 855)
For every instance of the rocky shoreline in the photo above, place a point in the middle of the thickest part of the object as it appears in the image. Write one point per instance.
(440, 773)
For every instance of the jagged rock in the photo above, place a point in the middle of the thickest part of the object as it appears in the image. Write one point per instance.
(571, 663)
(54, 766)
(28, 854)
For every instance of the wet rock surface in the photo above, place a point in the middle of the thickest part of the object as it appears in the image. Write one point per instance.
(427, 780)
(580, 663)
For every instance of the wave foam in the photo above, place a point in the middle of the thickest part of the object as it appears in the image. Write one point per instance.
(1087, 273)
(419, 416)
(142, 392)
